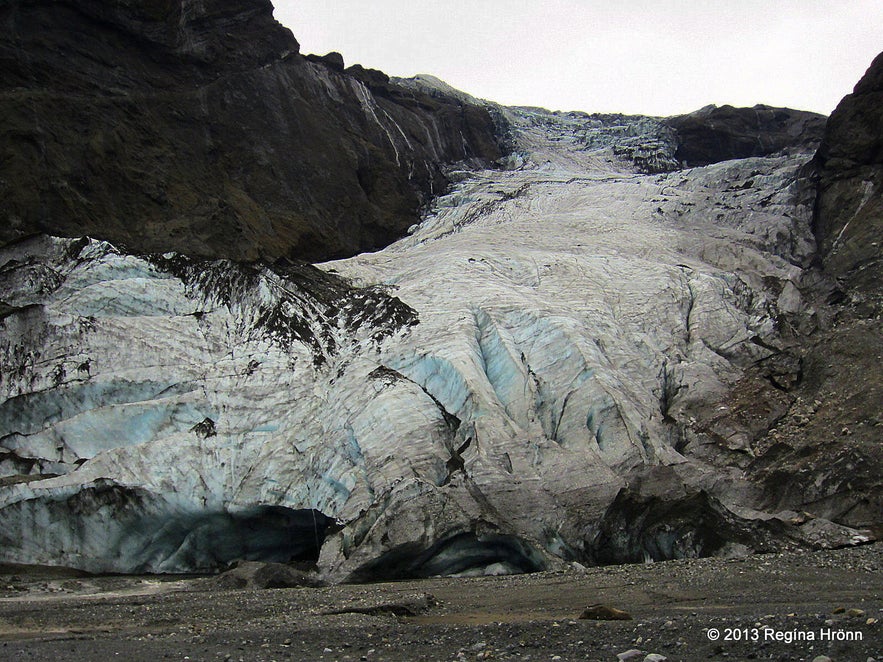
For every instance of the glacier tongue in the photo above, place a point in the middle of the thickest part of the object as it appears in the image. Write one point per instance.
(471, 399)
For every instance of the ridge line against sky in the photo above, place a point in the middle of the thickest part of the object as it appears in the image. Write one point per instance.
(654, 57)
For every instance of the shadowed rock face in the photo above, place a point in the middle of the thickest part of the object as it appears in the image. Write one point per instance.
(715, 134)
(198, 127)
(640, 528)
(849, 210)
(825, 454)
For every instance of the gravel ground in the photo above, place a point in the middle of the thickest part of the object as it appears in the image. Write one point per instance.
(794, 606)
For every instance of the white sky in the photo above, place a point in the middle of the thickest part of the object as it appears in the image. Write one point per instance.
(655, 57)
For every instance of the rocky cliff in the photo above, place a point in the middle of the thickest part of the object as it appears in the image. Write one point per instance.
(197, 127)
(849, 210)
(825, 453)
(592, 354)
(713, 134)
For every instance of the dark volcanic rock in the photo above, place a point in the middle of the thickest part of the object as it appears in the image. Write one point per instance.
(604, 613)
(849, 209)
(824, 456)
(714, 134)
(332, 59)
(199, 128)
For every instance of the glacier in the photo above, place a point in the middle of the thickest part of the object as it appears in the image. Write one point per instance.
(547, 352)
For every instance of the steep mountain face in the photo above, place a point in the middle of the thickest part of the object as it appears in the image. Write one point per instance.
(197, 127)
(849, 213)
(589, 353)
(825, 453)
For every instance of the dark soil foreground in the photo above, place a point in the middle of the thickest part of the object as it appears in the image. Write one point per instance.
(781, 607)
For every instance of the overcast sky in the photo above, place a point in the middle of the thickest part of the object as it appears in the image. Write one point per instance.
(655, 57)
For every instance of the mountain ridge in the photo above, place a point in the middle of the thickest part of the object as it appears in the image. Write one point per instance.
(211, 134)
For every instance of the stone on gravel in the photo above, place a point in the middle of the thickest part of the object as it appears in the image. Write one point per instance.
(254, 574)
(605, 613)
(412, 605)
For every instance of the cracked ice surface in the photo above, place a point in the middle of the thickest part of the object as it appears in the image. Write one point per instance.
(571, 312)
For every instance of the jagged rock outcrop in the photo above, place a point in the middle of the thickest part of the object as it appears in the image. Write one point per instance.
(197, 127)
(713, 134)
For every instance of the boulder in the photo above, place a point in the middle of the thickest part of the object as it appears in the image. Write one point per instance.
(334, 60)
(601, 612)
(262, 575)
